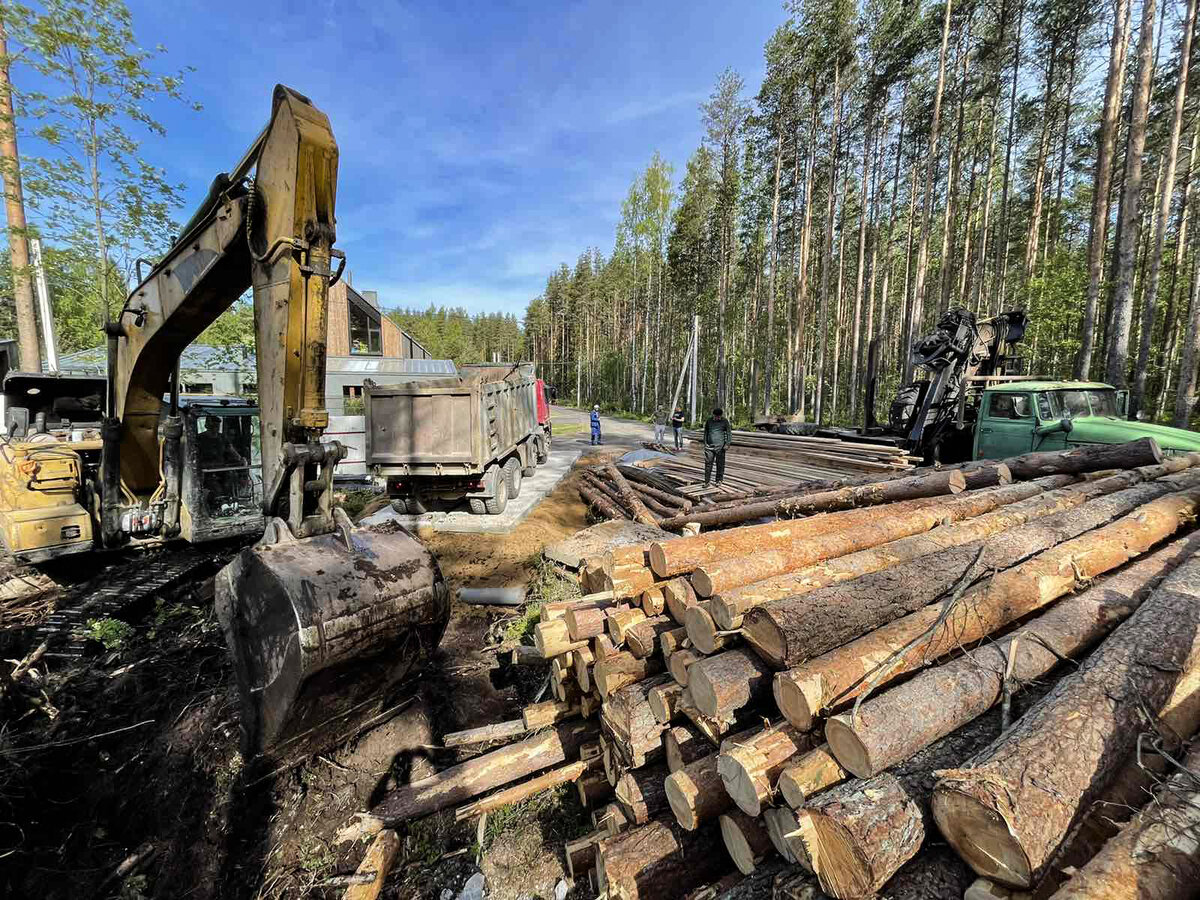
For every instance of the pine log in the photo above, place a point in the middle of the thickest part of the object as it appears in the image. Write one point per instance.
(1089, 458)
(632, 726)
(642, 637)
(932, 484)
(641, 793)
(614, 672)
(715, 730)
(542, 750)
(724, 683)
(524, 655)
(585, 623)
(680, 662)
(664, 701)
(659, 859)
(1156, 855)
(551, 712)
(629, 497)
(892, 727)
(630, 586)
(782, 830)
(912, 641)
(746, 839)
(522, 791)
(590, 703)
(695, 792)
(1008, 811)
(499, 731)
(703, 632)
(1030, 502)
(621, 620)
(885, 526)
(602, 647)
(377, 863)
(790, 630)
(582, 662)
(600, 502)
(562, 669)
(809, 774)
(552, 638)
(611, 819)
(682, 555)
(653, 601)
(684, 744)
(678, 595)
(857, 835)
(750, 768)
(670, 641)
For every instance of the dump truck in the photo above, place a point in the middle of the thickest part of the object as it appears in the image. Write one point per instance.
(473, 437)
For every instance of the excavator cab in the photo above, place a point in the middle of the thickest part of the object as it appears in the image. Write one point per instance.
(322, 619)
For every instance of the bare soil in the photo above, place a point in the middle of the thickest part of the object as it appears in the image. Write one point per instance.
(141, 759)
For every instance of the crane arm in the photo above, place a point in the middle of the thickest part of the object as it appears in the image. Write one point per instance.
(273, 234)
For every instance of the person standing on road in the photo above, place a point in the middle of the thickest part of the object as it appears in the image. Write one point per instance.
(596, 425)
(717, 437)
(660, 425)
(677, 427)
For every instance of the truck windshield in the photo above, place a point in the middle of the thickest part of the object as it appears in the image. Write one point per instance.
(1087, 402)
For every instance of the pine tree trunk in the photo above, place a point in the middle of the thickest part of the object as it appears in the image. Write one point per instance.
(827, 257)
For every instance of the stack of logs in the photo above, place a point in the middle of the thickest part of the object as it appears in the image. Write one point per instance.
(747, 689)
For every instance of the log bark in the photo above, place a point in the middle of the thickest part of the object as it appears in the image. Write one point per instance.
(782, 828)
(548, 748)
(1029, 502)
(620, 669)
(932, 484)
(582, 661)
(751, 768)
(683, 745)
(630, 585)
(664, 701)
(859, 834)
(809, 774)
(600, 502)
(695, 793)
(522, 791)
(892, 727)
(703, 632)
(551, 712)
(642, 637)
(746, 840)
(912, 641)
(670, 641)
(499, 731)
(585, 623)
(659, 859)
(602, 647)
(1092, 458)
(641, 793)
(1008, 811)
(676, 557)
(619, 621)
(629, 497)
(1156, 855)
(724, 683)
(886, 526)
(789, 631)
(631, 723)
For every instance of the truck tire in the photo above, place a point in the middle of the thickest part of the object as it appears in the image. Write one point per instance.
(543, 449)
(513, 477)
(416, 507)
(497, 504)
(529, 471)
(477, 506)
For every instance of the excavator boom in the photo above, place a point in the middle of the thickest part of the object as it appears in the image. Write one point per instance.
(320, 617)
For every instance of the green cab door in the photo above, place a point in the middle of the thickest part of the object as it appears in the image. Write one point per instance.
(1006, 425)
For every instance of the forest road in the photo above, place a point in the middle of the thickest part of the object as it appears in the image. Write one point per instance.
(614, 432)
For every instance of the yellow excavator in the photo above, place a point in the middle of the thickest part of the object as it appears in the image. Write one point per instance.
(321, 618)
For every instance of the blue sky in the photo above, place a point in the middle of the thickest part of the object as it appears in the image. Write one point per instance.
(480, 144)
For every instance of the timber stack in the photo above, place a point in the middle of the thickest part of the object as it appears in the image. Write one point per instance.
(878, 668)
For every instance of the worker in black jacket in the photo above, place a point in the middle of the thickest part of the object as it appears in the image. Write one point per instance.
(677, 426)
(717, 436)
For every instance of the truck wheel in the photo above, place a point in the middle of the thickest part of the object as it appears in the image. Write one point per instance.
(477, 506)
(512, 477)
(543, 450)
(416, 507)
(529, 471)
(497, 504)
(400, 505)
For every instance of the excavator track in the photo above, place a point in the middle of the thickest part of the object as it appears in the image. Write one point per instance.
(122, 589)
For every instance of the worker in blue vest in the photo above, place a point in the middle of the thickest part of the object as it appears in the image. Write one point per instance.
(596, 425)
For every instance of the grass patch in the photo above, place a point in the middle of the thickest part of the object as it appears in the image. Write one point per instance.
(567, 428)
(557, 812)
(548, 585)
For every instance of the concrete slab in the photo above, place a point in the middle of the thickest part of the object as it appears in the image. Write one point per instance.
(462, 521)
(596, 539)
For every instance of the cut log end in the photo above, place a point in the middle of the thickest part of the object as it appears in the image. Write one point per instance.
(847, 747)
(658, 559)
(741, 784)
(981, 837)
(957, 482)
(800, 701)
(765, 637)
(744, 839)
(702, 583)
(839, 865)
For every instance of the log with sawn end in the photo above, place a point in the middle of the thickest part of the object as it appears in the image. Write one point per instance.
(746, 839)
(659, 859)
(750, 768)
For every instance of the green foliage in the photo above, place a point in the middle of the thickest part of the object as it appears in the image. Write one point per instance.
(453, 333)
(557, 812)
(112, 633)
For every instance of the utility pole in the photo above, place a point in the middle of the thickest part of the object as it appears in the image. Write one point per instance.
(14, 208)
(695, 364)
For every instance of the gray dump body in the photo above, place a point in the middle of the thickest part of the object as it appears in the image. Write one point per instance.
(448, 437)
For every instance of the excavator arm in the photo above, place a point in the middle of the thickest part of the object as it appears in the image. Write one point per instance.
(321, 618)
(272, 233)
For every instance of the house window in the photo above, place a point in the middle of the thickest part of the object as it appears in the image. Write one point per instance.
(197, 387)
(366, 335)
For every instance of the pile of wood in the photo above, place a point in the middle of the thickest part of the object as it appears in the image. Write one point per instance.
(744, 689)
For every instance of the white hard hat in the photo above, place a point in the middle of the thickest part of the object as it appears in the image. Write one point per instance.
(597, 406)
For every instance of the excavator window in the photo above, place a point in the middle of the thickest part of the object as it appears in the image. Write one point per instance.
(230, 461)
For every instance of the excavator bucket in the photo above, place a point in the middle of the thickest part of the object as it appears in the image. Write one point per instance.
(322, 629)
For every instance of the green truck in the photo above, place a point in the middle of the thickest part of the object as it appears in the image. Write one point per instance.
(1022, 416)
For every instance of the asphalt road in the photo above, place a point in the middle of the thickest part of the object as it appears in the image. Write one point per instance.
(615, 432)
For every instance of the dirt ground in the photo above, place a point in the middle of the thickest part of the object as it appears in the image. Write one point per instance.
(139, 760)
